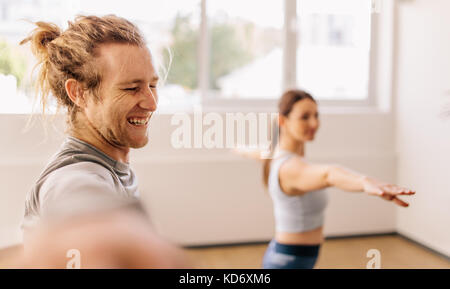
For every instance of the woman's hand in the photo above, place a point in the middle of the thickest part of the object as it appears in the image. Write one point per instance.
(386, 191)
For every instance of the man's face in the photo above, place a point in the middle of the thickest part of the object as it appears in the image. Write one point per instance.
(127, 95)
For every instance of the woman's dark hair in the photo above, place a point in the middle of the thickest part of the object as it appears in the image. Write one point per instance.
(285, 105)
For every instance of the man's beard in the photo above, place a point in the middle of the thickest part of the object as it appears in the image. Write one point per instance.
(122, 139)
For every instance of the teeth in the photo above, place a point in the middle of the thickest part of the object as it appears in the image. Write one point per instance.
(138, 121)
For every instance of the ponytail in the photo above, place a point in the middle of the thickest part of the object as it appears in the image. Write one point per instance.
(266, 171)
(268, 161)
(40, 38)
(285, 105)
(43, 34)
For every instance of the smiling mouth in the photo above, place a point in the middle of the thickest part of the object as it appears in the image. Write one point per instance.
(138, 121)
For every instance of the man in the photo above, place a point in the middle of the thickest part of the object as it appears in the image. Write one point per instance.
(100, 70)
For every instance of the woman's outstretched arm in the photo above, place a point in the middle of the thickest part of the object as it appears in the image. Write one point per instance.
(303, 177)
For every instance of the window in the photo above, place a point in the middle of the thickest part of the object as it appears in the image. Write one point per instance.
(171, 25)
(228, 52)
(333, 49)
(246, 49)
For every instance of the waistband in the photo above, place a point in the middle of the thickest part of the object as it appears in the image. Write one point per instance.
(297, 250)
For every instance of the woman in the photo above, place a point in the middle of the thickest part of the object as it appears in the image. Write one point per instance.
(296, 186)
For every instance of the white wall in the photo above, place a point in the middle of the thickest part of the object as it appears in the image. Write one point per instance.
(202, 196)
(423, 134)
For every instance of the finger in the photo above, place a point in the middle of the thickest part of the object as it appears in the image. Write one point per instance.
(400, 191)
(403, 190)
(408, 192)
(400, 202)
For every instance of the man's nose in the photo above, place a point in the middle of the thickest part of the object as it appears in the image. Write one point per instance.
(150, 100)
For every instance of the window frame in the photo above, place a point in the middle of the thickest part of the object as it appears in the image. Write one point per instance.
(379, 30)
(381, 66)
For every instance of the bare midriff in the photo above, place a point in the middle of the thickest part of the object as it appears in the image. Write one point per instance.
(313, 237)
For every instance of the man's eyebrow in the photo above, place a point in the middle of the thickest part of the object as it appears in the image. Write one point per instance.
(133, 81)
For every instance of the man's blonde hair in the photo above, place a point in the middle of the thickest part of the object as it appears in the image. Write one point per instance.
(71, 53)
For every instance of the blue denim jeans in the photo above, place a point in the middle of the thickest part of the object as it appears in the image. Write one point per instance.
(282, 256)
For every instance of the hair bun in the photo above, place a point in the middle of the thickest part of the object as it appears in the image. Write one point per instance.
(43, 34)
(46, 32)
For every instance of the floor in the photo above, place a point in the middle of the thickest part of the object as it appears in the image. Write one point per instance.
(395, 251)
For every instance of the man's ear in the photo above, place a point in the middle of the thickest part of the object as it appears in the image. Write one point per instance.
(75, 91)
